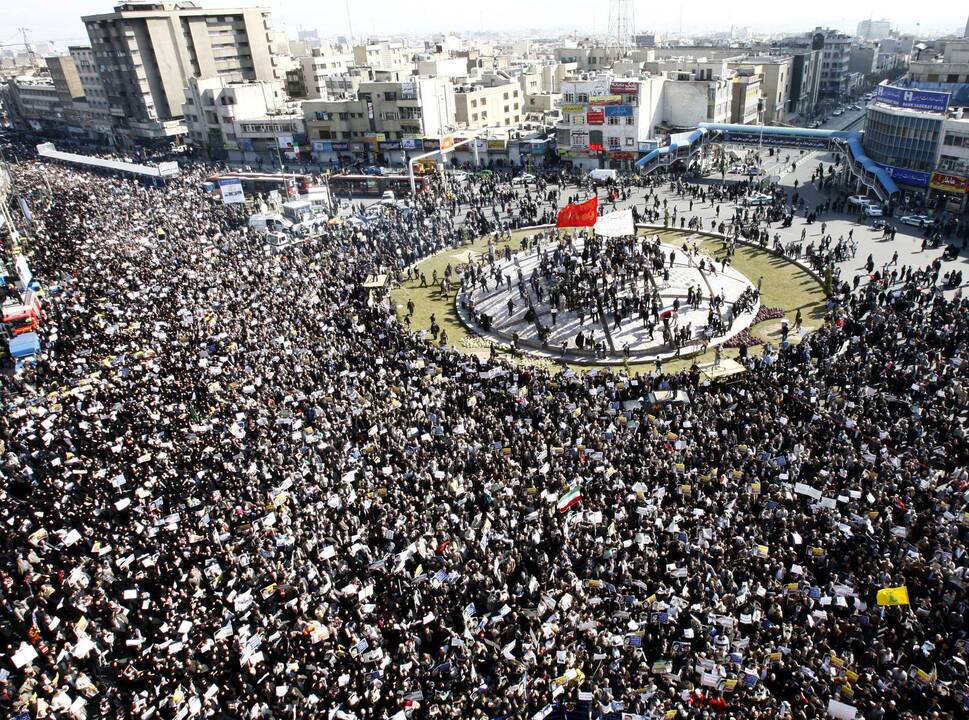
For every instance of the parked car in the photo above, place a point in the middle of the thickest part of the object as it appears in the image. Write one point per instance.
(373, 170)
(523, 179)
(919, 221)
(873, 210)
(760, 199)
(859, 201)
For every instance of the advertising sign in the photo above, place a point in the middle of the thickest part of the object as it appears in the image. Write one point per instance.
(624, 88)
(908, 177)
(755, 138)
(605, 100)
(322, 146)
(621, 155)
(573, 109)
(948, 183)
(496, 144)
(925, 100)
(447, 142)
(432, 144)
(595, 117)
(646, 146)
(619, 110)
(412, 144)
(231, 191)
(389, 145)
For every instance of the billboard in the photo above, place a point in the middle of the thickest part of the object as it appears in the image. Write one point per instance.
(496, 144)
(321, 146)
(624, 88)
(231, 191)
(595, 117)
(619, 110)
(412, 144)
(605, 100)
(573, 109)
(755, 138)
(388, 145)
(948, 183)
(447, 142)
(912, 99)
(907, 177)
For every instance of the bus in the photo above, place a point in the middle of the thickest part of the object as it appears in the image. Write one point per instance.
(288, 185)
(348, 186)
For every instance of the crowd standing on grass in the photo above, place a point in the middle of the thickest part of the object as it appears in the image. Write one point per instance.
(235, 486)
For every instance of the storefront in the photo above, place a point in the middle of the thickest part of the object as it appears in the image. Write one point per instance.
(947, 193)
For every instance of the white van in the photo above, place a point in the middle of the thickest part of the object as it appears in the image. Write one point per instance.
(297, 211)
(601, 176)
(388, 198)
(269, 222)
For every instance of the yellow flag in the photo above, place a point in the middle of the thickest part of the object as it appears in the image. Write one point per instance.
(893, 596)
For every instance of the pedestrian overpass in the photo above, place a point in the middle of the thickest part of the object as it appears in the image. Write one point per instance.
(684, 145)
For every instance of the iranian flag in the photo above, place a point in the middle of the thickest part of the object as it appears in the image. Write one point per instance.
(569, 499)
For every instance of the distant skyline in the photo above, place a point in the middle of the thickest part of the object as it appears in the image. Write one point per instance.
(59, 20)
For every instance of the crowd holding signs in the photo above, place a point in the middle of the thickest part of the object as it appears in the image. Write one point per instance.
(234, 486)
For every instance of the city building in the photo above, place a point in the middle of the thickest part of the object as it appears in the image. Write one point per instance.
(495, 101)
(874, 29)
(951, 65)
(383, 55)
(436, 65)
(242, 121)
(93, 109)
(70, 92)
(590, 57)
(864, 58)
(776, 71)
(746, 102)
(690, 98)
(384, 121)
(34, 105)
(607, 120)
(836, 54)
(318, 67)
(805, 83)
(147, 52)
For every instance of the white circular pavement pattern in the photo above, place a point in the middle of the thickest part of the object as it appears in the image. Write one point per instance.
(684, 273)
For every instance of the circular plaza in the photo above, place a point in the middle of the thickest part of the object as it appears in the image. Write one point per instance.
(600, 300)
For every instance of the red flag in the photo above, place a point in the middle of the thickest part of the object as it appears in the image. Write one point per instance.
(581, 214)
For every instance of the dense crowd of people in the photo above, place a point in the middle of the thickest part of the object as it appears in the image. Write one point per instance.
(235, 486)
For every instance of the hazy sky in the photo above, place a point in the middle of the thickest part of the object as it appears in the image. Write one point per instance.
(57, 20)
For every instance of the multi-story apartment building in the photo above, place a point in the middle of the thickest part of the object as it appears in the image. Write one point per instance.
(806, 55)
(242, 121)
(146, 53)
(835, 58)
(385, 114)
(746, 106)
(35, 105)
(494, 102)
(317, 68)
(93, 109)
(70, 92)
(605, 119)
(383, 55)
(776, 71)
